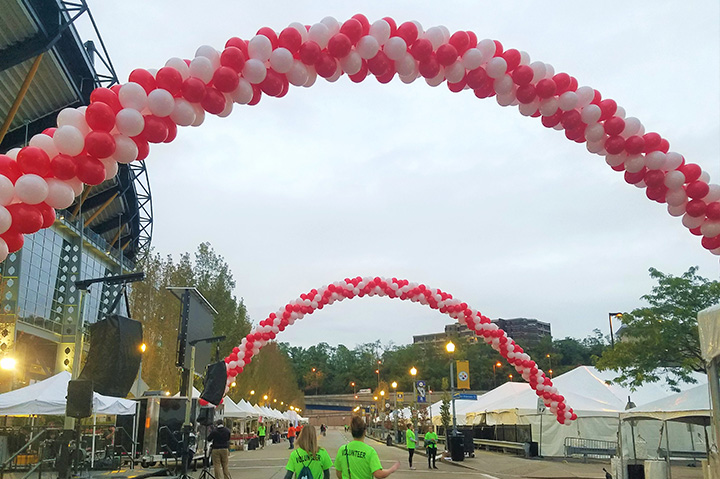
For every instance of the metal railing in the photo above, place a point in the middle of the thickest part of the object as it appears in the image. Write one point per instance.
(595, 448)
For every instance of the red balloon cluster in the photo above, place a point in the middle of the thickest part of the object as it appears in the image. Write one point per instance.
(358, 287)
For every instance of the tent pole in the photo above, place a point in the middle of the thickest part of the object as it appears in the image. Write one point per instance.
(92, 449)
(714, 387)
(133, 447)
(667, 449)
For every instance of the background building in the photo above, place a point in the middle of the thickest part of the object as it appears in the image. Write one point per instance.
(45, 67)
(522, 330)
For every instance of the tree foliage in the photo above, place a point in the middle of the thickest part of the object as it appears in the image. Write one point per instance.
(660, 341)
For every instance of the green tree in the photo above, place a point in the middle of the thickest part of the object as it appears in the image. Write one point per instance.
(660, 341)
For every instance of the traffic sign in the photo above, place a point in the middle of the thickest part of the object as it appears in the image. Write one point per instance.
(472, 397)
(401, 397)
(421, 389)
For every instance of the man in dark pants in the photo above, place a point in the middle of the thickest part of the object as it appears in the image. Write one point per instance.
(220, 438)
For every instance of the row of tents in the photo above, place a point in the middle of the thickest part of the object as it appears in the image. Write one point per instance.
(648, 421)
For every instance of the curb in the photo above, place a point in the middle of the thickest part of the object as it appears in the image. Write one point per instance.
(419, 452)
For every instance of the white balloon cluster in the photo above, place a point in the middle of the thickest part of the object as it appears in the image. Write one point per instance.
(435, 298)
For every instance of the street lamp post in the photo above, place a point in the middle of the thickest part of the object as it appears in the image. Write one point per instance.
(612, 335)
(377, 371)
(413, 411)
(395, 411)
(549, 365)
(450, 347)
(496, 365)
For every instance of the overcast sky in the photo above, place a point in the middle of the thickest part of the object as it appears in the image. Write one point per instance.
(420, 183)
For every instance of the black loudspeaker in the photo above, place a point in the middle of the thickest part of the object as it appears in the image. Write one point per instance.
(79, 399)
(206, 415)
(114, 357)
(214, 382)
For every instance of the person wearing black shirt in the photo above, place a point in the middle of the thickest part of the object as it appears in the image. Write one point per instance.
(220, 438)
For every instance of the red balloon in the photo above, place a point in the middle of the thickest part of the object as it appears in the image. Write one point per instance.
(326, 65)
(100, 117)
(107, 96)
(635, 145)
(635, 178)
(270, 34)
(26, 219)
(486, 90)
(363, 21)
(143, 78)
(193, 89)
(380, 64)
(309, 53)
(711, 243)
(9, 168)
(422, 50)
(571, 119)
(100, 144)
(429, 68)
(477, 77)
(664, 145)
(457, 87)
(654, 177)
(116, 89)
(393, 25)
(461, 41)
(614, 126)
(48, 214)
(573, 84)
(361, 75)
(32, 159)
(168, 78)
(608, 108)
(696, 231)
(234, 58)
(472, 38)
(339, 45)
(523, 75)
(90, 170)
(562, 81)
(386, 77)
(657, 193)
(291, 39)
(713, 210)
(257, 95)
(652, 142)
(408, 31)
(697, 189)
(615, 145)
(14, 240)
(226, 80)
(238, 43)
(512, 58)
(49, 132)
(63, 167)
(172, 129)
(143, 147)
(696, 208)
(526, 93)
(545, 88)
(498, 48)
(446, 54)
(273, 83)
(691, 171)
(155, 130)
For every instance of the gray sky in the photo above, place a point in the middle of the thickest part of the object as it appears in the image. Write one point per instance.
(420, 183)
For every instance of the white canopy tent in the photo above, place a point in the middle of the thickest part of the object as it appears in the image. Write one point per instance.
(48, 397)
(234, 410)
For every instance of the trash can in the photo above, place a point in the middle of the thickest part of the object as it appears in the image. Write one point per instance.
(388, 440)
(655, 469)
(457, 448)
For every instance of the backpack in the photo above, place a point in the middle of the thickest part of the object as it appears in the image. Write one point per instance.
(305, 472)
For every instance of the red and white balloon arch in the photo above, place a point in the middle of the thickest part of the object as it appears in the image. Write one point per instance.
(434, 298)
(121, 122)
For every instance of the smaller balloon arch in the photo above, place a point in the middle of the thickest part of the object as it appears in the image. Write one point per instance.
(403, 289)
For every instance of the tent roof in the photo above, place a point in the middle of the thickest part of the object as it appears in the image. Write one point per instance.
(692, 405)
(48, 397)
(233, 409)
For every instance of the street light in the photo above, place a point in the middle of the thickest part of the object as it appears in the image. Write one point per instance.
(395, 411)
(510, 376)
(7, 363)
(413, 373)
(612, 335)
(450, 348)
(143, 347)
(496, 365)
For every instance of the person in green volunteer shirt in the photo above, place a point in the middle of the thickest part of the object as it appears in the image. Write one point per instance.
(308, 454)
(357, 460)
(431, 439)
(261, 434)
(410, 441)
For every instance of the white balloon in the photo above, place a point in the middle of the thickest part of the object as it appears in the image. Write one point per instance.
(133, 96)
(183, 112)
(73, 117)
(45, 143)
(505, 99)
(126, 149)
(529, 109)
(676, 197)
(254, 71)
(61, 194)
(496, 67)
(615, 160)
(595, 146)
(69, 140)
(332, 24)
(129, 122)
(31, 189)
(715, 251)
(704, 177)
(4, 250)
(503, 84)
(243, 94)
(111, 167)
(473, 58)
(395, 48)
(352, 63)
(13, 153)
(211, 54)
(585, 95)
(539, 69)
(312, 76)
(591, 114)
(456, 72)
(228, 106)
(199, 115)
(298, 74)
(674, 160)
(632, 127)
(710, 228)
(691, 222)
(405, 66)
(180, 65)
(524, 58)
(260, 48)
(549, 106)
(436, 36)
(549, 70)
(5, 219)
(335, 76)
(202, 68)
(568, 101)
(75, 184)
(595, 132)
(320, 34)
(713, 195)
(655, 160)
(380, 30)
(620, 112)
(635, 163)
(407, 79)
(367, 47)
(281, 60)
(7, 190)
(446, 33)
(161, 102)
(437, 80)
(301, 29)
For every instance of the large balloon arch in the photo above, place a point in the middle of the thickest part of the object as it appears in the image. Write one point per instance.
(121, 122)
